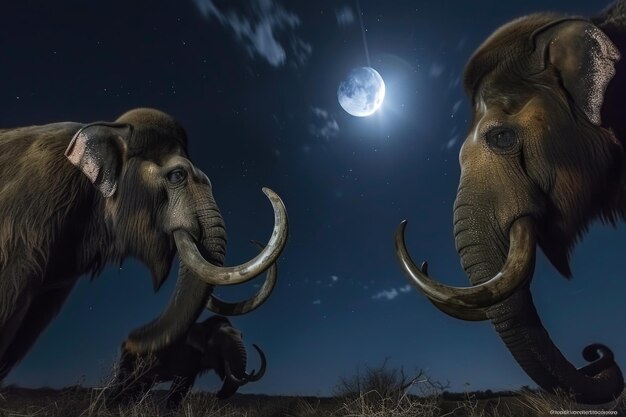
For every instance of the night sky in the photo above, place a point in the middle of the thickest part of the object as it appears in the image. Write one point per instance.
(254, 83)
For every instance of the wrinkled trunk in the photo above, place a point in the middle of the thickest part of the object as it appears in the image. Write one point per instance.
(191, 293)
(482, 250)
(235, 354)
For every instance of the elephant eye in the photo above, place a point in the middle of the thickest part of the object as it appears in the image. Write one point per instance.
(176, 176)
(502, 139)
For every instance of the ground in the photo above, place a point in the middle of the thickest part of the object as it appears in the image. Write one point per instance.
(87, 402)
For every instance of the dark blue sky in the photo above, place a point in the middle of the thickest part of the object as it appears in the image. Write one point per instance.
(262, 111)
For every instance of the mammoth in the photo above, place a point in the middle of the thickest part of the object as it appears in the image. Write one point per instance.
(543, 158)
(209, 345)
(74, 197)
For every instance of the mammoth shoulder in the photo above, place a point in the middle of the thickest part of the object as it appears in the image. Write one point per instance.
(23, 143)
(38, 188)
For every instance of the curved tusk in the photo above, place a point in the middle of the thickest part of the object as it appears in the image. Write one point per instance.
(478, 314)
(225, 308)
(253, 376)
(517, 270)
(460, 313)
(215, 275)
(233, 378)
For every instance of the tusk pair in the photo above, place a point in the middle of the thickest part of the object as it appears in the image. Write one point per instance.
(216, 275)
(455, 311)
(225, 308)
(252, 376)
(468, 303)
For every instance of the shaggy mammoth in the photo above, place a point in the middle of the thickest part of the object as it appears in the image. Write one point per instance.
(74, 197)
(210, 345)
(543, 158)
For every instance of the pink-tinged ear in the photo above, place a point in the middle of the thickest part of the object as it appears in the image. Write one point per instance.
(99, 151)
(584, 58)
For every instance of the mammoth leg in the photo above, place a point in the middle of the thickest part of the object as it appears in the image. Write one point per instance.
(42, 309)
(126, 395)
(9, 328)
(133, 379)
(179, 389)
(15, 298)
(122, 382)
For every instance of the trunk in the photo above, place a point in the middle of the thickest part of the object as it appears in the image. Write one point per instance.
(192, 256)
(235, 357)
(226, 308)
(191, 293)
(518, 324)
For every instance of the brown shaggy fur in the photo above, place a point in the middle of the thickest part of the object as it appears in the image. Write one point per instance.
(576, 172)
(546, 143)
(56, 226)
(208, 345)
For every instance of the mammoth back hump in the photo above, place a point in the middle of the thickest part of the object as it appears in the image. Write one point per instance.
(36, 183)
(28, 150)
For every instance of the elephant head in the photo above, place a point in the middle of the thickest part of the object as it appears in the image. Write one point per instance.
(537, 165)
(157, 203)
(222, 349)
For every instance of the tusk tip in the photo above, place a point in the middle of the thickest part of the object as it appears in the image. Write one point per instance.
(402, 227)
(424, 267)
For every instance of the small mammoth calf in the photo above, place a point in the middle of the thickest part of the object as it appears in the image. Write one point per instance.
(210, 345)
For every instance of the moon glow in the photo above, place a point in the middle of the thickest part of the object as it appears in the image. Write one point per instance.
(362, 92)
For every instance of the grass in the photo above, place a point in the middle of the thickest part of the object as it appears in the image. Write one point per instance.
(379, 391)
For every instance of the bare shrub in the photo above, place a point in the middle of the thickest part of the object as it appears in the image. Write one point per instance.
(384, 391)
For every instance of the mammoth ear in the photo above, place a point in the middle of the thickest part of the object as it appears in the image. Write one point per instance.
(584, 57)
(99, 151)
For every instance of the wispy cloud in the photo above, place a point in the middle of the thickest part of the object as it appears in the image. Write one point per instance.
(261, 27)
(406, 288)
(392, 293)
(345, 16)
(324, 124)
(386, 294)
(317, 302)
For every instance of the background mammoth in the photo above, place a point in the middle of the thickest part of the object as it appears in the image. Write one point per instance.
(544, 157)
(135, 193)
(210, 345)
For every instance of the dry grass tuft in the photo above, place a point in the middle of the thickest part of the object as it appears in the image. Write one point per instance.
(379, 391)
(541, 403)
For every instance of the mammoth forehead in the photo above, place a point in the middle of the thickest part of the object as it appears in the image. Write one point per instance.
(149, 170)
(507, 94)
(510, 42)
(159, 154)
(506, 83)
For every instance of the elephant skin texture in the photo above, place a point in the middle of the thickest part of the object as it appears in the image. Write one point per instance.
(74, 197)
(543, 158)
